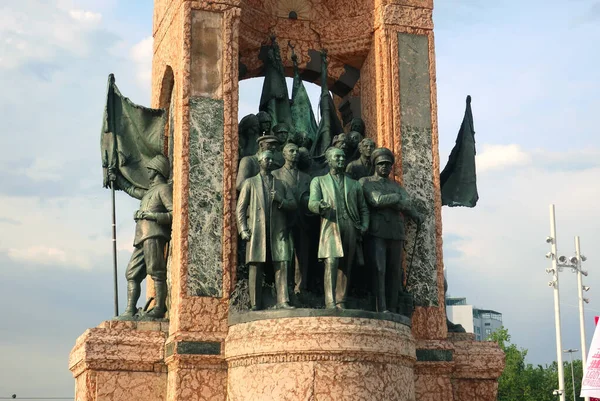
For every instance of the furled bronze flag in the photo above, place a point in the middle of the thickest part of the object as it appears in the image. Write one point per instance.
(303, 118)
(458, 180)
(131, 136)
(274, 98)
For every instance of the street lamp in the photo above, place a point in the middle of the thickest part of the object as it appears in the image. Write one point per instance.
(570, 352)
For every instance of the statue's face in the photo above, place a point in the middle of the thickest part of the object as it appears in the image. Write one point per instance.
(266, 163)
(354, 139)
(282, 135)
(337, 159)
(272, 146)
(343, 144)
(366, 148)
(152, 173)
(253, 130)
(265, 125)
(290, 153)
(383, 168)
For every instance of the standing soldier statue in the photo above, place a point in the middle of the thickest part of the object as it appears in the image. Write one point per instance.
(340, 202)
(262, 222)
(299, 184)
(152, 232)
(388, 204)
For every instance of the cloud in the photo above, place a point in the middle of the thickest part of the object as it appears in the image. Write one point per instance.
(495, 252)
(46, 256)
(141, 54)
(497, 157)
(85, 16)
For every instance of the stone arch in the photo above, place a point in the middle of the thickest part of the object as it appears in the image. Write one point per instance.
(344, 29)
(165, 101)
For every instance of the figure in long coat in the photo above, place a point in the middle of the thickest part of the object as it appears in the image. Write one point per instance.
(340, 202)
(261, 216)
(300, 223)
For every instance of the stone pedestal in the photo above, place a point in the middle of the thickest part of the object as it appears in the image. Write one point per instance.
(120, 361)
(320, 358)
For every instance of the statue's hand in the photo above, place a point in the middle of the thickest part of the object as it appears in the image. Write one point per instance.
(276, 197)
(149, 216)
(324, 207)
(112, 175)
(137, 215)
(246, 235)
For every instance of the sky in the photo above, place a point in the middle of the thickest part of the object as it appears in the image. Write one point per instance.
(531, 68)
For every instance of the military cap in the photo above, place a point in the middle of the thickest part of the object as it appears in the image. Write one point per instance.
(382, 153)
(161, 164)
(267, 138)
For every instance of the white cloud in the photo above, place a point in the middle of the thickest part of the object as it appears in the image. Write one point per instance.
(85, 16)
(496, 254)
(43, 169)
(41, 255)
(497, 157)
(141, 54)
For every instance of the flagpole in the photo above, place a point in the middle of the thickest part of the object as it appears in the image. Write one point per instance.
(114, 246)
(111, 123)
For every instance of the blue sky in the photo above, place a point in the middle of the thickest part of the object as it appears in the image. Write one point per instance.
(531, 68)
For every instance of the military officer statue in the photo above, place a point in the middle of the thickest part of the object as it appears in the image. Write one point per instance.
(249, 165)
(388, 204)
(152, 232)
(262, 222)
(299, 184)
(340, 202)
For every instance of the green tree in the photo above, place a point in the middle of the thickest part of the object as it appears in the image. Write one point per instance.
(521, 381)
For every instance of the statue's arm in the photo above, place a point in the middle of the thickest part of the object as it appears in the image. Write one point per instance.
(406, 206)
(315, 197)
(242, 207)
(243, 167)
(129, 188)
(166, 196)
(378, 200)
(289, 202)
(363, 209)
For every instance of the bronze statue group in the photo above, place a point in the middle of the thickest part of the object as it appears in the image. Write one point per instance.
(348, 200)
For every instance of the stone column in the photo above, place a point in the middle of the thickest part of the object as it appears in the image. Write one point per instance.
(400, 110)
(198, 40)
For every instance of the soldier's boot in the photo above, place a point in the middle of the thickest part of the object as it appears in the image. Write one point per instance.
(160, 308)
(133, 294)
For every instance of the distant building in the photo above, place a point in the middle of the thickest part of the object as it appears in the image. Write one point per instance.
(482, 322)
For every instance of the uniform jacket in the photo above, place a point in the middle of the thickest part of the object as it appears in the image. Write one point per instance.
(251, 216)
(323, 188)
(387, 215)
(159, 200)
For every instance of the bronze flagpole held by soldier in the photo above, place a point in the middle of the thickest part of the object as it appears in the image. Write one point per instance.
(110, 163)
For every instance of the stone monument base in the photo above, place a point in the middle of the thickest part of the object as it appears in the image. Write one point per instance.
(279, 355)
(121, 361)
(320, 358)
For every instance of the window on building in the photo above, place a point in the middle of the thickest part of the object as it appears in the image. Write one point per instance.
(488, 332)
(488, 324)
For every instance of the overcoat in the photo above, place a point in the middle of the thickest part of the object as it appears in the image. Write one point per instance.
(251, 216)
(323, 188)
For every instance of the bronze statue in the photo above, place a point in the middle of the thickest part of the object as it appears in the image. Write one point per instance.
(340, 202)
(340, 141)
(357, 124)
(262, 222)
(282, 132)
(264, 123)
(299, 183)
(248, 132)
(354, 139)
(388, 204)
(249, 165)
(362, 167)
(152, 232)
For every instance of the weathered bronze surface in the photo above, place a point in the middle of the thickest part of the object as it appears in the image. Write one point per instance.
(388, 204)
(340, 202)
(299, 221)
(152, 232)
(261, 217)
(362, 167)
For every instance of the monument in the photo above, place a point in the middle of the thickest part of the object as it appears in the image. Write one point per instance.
(309, 332)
